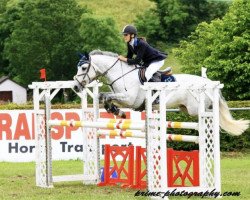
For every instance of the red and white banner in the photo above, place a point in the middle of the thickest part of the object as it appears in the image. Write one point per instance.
(17, 135)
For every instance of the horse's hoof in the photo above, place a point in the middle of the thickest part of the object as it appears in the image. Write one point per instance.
(122, 114)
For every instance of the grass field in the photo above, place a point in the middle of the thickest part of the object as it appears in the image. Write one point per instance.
(122, 11)
(17, 181)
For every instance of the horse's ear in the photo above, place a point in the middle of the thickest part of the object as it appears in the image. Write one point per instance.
(86, 56)
(80, 55)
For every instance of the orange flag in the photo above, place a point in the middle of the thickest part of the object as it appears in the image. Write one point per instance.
(43, 74)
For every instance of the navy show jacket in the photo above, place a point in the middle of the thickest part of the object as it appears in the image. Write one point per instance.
(145, 54)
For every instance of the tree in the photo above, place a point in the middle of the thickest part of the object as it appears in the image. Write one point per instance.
(223, 47)
(3, 4)
(173, 20)
(8, 16)
(149, 25)
(45, 36)
(100, 33)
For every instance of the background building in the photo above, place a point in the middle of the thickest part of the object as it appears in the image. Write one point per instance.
(10, 91)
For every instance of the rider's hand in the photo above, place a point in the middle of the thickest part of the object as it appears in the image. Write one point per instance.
(122, 58)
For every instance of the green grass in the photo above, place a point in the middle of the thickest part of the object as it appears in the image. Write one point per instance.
(17, 181)
(122, 11)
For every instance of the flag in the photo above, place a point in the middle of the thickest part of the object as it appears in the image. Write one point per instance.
(43, 74)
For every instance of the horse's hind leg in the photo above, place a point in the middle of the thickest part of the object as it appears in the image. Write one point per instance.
(183, 108)
(192, 110)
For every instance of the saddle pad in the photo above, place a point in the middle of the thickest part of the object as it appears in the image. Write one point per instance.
(167, 78)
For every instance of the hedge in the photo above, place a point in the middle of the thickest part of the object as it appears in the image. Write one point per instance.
(228, 142)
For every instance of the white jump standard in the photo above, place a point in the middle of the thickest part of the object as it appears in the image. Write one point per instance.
(209, 144)
(46, 91)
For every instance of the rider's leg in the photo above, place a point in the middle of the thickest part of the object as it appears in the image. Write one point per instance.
(152, 68)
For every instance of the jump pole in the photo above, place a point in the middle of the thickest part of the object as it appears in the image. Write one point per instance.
(129, 133)
(120, 124)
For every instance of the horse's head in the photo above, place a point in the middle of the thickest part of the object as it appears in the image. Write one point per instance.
(86, 72)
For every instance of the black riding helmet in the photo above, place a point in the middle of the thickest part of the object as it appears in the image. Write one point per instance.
(129, 29)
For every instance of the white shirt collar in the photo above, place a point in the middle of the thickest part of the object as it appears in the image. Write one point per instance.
(132, 41)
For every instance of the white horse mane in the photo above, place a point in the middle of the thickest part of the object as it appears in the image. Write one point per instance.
(106, 53)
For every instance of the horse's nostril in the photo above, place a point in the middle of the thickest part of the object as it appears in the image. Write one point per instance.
(76, 88)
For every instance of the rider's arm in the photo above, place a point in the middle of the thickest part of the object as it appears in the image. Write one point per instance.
(138, 59)
(130, 53)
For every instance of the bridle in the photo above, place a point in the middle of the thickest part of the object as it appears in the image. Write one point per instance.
(98, 75)
(84, 61)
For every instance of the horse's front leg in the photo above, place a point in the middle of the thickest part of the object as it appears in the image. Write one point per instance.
(119, 97)
(110, 107)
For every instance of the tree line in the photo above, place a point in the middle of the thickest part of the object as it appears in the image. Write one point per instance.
(37, 34)
(48, 34)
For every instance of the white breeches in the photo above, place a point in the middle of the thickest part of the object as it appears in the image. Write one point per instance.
(152, 68)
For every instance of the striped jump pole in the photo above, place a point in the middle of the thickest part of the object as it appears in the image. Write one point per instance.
(120, 133)
(170, 124)
(120, 124)
(183, 125)
(128, 133)
(90, 124)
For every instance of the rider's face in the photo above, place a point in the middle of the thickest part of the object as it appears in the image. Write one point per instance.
(127, 37)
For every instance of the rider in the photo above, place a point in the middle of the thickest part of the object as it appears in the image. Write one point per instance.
(146, 55)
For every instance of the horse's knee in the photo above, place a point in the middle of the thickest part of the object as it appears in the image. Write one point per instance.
(104, 96)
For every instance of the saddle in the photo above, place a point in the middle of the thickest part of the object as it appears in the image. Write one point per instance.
(159, 76)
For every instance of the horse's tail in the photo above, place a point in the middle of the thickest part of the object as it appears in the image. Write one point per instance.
(228, 123)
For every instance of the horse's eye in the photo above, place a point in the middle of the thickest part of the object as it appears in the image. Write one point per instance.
(84, 68)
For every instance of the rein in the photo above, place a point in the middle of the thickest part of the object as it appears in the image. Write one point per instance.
(111, 84)
(104, 73)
